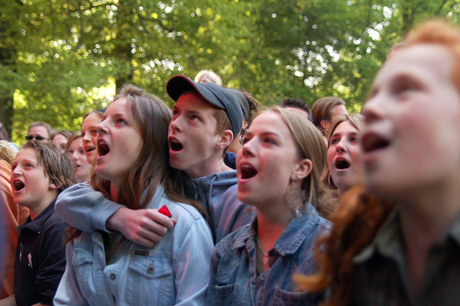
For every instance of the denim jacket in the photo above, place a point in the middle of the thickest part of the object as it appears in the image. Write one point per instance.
(234, 276)
(174, 271)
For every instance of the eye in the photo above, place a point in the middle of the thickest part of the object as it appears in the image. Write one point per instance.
(269, 140)
(28, 165)
(245, 140)
(405, 84)
(120, 121)
(93, 132)
(175, 112)
(194, 118)
(334, 141)
(354, 140)
(83, 133)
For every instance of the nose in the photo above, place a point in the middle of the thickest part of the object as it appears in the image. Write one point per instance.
(176, 123)
(374, 109)
(102, 127)
(341, 145)
(248, 148)
(16, 171)
(87, 136)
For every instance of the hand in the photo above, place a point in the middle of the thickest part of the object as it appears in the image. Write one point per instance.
(143, 226)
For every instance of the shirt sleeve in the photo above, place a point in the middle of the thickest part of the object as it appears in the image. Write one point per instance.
(84, 208)
(192, 264)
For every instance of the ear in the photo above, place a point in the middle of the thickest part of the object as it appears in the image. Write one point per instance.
(54, 186)
(302, 170)
(245, 124)
(325, 124)
(225, 139)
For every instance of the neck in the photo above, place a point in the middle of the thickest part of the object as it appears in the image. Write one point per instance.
(207, 169)
(424, 219)
(270, 228)
(39, 207)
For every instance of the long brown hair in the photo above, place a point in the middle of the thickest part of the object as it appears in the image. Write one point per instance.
(138, 186)
(359, 216)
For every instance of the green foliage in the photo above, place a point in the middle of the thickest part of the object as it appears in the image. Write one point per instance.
(55, 54)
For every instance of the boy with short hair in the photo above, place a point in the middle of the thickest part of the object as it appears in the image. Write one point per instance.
(39, 173)
(205, 119)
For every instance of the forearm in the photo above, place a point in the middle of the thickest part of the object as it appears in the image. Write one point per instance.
(84, 208)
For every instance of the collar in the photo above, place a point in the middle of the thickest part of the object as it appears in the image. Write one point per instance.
(37, 224)
(291, 239)
(389, 242)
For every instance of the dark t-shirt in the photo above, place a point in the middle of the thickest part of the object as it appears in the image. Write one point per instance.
(40, 258)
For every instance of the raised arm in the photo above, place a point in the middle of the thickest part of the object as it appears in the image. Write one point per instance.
(88, 210)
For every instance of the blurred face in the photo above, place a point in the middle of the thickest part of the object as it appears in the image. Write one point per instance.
(192, 136)
(60, 141)
(411, 143)
(119, 142)
(266, 161)
(338, 110)
(89, 134)
(38, 132)
(78, 158)
(343, 156)
(205, 78)
(31, 187)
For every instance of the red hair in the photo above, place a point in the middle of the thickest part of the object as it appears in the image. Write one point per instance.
(359, 216)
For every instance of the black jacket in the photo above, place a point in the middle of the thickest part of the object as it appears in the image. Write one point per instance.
(40, 258)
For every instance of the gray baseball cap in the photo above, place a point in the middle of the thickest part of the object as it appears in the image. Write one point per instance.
(213, 94)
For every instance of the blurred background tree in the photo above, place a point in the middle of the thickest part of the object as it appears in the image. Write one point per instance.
(60, 59)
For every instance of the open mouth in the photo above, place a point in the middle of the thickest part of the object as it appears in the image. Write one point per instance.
(373, 142)
(342, 164)
(89, 149)
(102, 148)
(247, 171)
(175, 145)
(18, 185)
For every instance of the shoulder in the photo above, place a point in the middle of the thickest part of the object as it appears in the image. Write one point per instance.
(234, 240)
(179, 210)
(54, 225)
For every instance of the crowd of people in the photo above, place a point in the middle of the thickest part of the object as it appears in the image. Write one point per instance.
(219, 201)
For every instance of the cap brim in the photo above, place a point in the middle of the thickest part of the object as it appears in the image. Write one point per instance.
(179, 84)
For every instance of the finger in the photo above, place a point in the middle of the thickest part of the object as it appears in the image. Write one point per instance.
(160, 218)
(150, 235)
(143, 241)
(154, 227)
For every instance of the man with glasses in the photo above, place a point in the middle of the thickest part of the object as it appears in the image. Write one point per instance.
(40, 131)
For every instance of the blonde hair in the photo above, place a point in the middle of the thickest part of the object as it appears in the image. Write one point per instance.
(211, 75)
(8, 151)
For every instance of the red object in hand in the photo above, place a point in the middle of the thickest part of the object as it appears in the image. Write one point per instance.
(165, 211)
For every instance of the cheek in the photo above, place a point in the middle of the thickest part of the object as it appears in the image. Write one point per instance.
(355, 153)
(330, 156)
